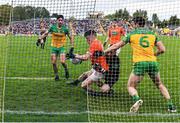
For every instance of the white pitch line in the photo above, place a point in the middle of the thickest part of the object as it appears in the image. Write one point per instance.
(29, 78)
(50, 78)
(91, 112)
(44, 113)
(137, 114)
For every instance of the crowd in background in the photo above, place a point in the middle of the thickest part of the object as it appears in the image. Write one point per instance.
(80, 26)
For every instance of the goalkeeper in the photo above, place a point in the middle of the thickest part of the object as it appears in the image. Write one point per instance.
(59, 32)
(110, 77)
(143, 41)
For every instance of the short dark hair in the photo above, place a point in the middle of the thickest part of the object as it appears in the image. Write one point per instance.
(139, 20)
(60, 16)
(90, 32)
(115, 20)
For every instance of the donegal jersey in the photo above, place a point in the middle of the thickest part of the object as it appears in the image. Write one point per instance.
(58, 35)
(115, 34)
(101, 60)
(142, 41)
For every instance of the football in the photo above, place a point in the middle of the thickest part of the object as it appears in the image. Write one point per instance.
(76, 61)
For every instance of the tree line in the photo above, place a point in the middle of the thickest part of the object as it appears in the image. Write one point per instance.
(19, 13)
(125, 15)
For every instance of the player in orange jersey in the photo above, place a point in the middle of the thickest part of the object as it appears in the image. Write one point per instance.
(114, 35)
(99, 64)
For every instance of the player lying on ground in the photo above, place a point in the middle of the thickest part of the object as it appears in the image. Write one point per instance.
(100, 67)
(143, 41)
(110, 77)
(59, 32)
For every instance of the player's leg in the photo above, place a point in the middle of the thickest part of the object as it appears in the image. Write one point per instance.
(132, 84)
(53, 61)
(135, 77)
(94, 76)
(38, 42)
(44, 41)
(155, 77)
(62, 60)
(81, 78)
(105, 88)
(111, 77)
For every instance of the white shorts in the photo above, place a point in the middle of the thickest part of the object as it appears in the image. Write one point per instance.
(95, 76)
(117, 51)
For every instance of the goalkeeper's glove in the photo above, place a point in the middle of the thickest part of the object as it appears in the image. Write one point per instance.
(68, 56)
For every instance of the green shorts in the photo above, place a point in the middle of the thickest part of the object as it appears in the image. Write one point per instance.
(57, 51)
(140, 68)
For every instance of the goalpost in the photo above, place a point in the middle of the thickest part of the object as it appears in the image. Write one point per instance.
(28, 90)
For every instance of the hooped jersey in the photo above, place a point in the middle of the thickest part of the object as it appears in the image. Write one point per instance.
(58, 35)
(142, 41)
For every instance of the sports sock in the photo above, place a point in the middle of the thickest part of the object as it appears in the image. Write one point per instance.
(65, 66)
(135, 98)
(55, 69)
(169, 102)
(76, 81)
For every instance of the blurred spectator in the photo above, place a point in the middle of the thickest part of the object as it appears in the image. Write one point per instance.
(32, 26)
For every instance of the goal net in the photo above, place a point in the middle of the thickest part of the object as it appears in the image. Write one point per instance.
(40, 80)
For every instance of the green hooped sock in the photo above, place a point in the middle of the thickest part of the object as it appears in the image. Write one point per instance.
(169, 102)
(135, 98)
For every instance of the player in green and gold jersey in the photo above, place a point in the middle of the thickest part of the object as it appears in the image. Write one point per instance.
(143, 41)
(59, 32)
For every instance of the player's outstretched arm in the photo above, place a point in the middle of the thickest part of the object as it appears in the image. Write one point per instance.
(115, 46)
(83, 57)
(160, 48)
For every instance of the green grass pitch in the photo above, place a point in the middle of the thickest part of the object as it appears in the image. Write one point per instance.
(32, 95)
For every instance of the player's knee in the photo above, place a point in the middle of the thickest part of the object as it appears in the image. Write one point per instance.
(105, 88)
(53, 61)
(130, 84)
(62, 61)
(158, 83)
(53, 58)
(83, 85)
